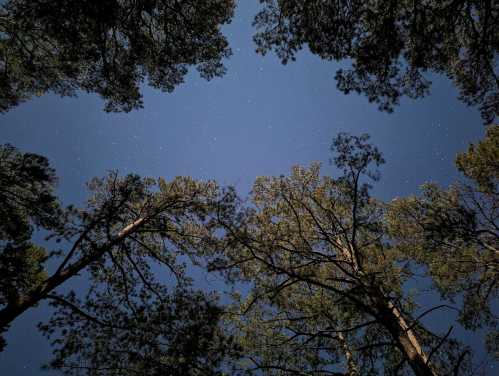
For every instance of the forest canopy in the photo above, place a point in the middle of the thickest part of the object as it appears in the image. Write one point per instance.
(320, 276)
(324, 265)
(110, 47)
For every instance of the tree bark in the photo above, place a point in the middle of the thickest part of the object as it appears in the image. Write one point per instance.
(393, 320)
(351, 366)
(405, 338)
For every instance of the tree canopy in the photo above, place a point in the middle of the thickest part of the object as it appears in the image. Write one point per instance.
(324, 267)
(392, 45)
(107, 47)
(111, 47)
(454, 234)
(127, 319)
(26, 200)
(328, 265)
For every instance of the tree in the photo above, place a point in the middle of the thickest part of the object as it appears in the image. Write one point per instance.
(107, 47)
(454, 234)
(327, 278)
(26, 200)
(127, 320)
(481, 163)
(392, 45)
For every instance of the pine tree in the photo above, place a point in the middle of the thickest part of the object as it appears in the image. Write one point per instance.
(326, 268)
(127, 320)
(108, 47)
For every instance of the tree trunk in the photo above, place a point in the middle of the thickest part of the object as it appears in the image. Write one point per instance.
(391, 318)
(352, 369)
(405, 338)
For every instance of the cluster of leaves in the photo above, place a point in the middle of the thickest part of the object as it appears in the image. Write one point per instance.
(481, 162)
(130, 326)
(392, 44)
(110, 47)
(107, 47)
(326, 281)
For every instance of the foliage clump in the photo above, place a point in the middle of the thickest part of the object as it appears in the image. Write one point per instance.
(108, 47)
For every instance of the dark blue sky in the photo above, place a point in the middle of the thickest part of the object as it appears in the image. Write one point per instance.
(259, 119)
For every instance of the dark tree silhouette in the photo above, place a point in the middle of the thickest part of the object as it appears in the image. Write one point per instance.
(108, 47)
(126, 320)
(392, 44)
(26, 200)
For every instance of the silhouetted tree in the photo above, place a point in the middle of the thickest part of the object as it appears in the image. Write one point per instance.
(392, 44)
(108, 47)
(326, 265)
(127, 321)
(26, 200)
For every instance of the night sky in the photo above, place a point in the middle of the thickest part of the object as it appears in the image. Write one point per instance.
(261, 118)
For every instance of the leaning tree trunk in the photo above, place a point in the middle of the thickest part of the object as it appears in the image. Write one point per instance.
(392, 319)
(405, 338)
(16, 308)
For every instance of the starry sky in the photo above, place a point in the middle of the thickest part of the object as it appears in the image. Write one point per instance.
(261, 118)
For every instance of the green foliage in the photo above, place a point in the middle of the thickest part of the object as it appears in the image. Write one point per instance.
(439, 231)
(481, 162)
(392, 45)
(326, 285)
(454, 233)
(157, 332)
(126, 320)
(325, 264)
(108, 47)
(27, 184)
(22, 269)
(27, 201)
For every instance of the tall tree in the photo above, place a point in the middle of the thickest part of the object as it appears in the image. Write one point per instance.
(107, 47)
(454, 234)
(393, 44)
(128, 320)
(327, 283)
